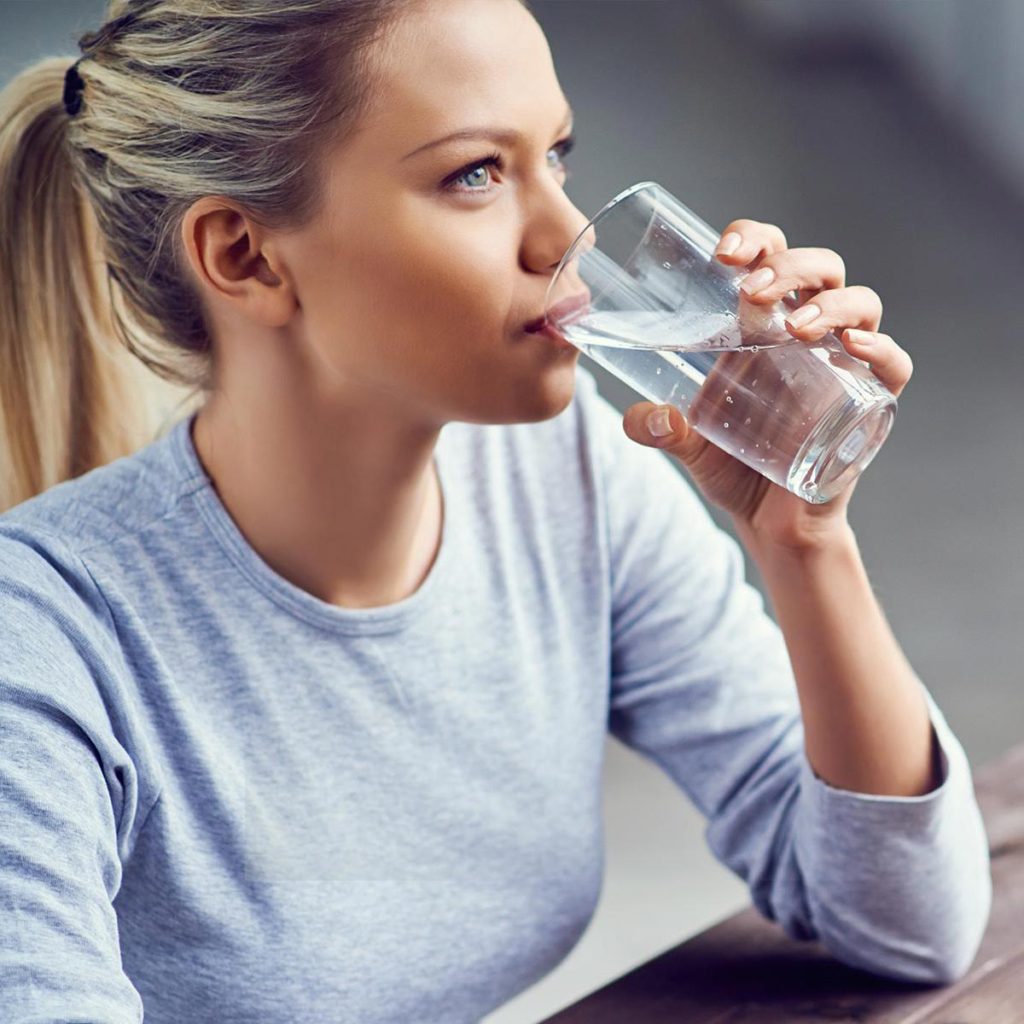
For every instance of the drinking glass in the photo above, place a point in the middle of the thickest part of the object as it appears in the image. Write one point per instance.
(641, 293)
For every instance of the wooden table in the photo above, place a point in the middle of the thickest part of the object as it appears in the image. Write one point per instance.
(747, 969)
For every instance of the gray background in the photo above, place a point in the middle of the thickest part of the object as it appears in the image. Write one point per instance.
(890, 131)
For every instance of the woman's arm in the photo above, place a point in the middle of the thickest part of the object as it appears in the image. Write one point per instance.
(865, 717)
(702, 684)
(72, 797)
(866, 723)
(850, 821)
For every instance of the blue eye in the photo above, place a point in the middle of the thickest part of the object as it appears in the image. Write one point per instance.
(562, 148)
(494, 160)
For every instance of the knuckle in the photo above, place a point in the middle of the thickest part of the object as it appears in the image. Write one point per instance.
(775, 234)
(840, 264)
(899, 355)
(832, 260)
(871, 298)
(766, 236)
(870, 294)
(742, 225)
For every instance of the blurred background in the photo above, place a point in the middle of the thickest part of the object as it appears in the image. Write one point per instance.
(893, 132)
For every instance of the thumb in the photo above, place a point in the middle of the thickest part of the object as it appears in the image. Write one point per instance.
(665, 427)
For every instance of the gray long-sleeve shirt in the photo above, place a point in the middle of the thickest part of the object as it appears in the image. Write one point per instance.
(228, 801)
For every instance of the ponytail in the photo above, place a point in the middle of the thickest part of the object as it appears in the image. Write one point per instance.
(72, 395)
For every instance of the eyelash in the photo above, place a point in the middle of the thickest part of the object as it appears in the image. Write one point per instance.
(563, 148)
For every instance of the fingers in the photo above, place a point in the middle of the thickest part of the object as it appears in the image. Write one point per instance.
(817, 277)
(856, 306)
(794, 269)
(891, 364)
(679, 440)
(753, 239)
(794, 276)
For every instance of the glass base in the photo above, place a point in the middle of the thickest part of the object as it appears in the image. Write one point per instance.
(840, 449)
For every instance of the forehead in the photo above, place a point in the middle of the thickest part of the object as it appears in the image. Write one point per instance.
(454, 63)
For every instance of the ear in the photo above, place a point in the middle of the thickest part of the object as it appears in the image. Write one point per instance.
(234, 262)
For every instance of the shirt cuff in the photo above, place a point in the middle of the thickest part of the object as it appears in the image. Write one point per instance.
(898, 885)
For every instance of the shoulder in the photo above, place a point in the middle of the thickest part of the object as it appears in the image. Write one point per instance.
(59, 652)
(107, 503)
(46, 592)
(49, 599)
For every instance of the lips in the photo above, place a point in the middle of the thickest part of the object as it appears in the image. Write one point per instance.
(559, 311)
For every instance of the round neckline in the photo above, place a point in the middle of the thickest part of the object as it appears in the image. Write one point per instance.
(382, 619)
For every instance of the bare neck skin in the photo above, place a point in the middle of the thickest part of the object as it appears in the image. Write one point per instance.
(336, 500)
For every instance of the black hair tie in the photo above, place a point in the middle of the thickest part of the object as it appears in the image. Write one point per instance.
(73, 85)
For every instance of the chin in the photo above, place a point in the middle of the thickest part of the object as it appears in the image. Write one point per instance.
(530, 395)
(546, 394)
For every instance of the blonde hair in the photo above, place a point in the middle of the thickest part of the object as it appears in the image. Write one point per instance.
(102, 333)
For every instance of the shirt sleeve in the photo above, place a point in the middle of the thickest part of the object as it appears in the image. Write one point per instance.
(68, 801)
(701, 684)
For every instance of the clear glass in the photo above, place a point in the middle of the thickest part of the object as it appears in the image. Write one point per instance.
(641, 293)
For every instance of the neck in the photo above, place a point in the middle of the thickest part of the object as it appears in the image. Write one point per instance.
(342, 501)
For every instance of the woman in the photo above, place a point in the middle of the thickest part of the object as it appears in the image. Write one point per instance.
(304, 702)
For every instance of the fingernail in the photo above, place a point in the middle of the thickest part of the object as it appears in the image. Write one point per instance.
(729, 243)
(804, 315)
(658, 423)
(861, 337)
(758, 280)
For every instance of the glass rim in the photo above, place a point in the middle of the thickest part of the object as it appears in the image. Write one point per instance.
(606, 209)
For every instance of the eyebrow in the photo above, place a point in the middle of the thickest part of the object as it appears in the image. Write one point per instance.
(506, 136)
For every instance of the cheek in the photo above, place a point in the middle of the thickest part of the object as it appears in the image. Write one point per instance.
(443, 281)
(423, 294)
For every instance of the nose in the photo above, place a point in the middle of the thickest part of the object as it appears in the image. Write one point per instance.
(552, 226)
